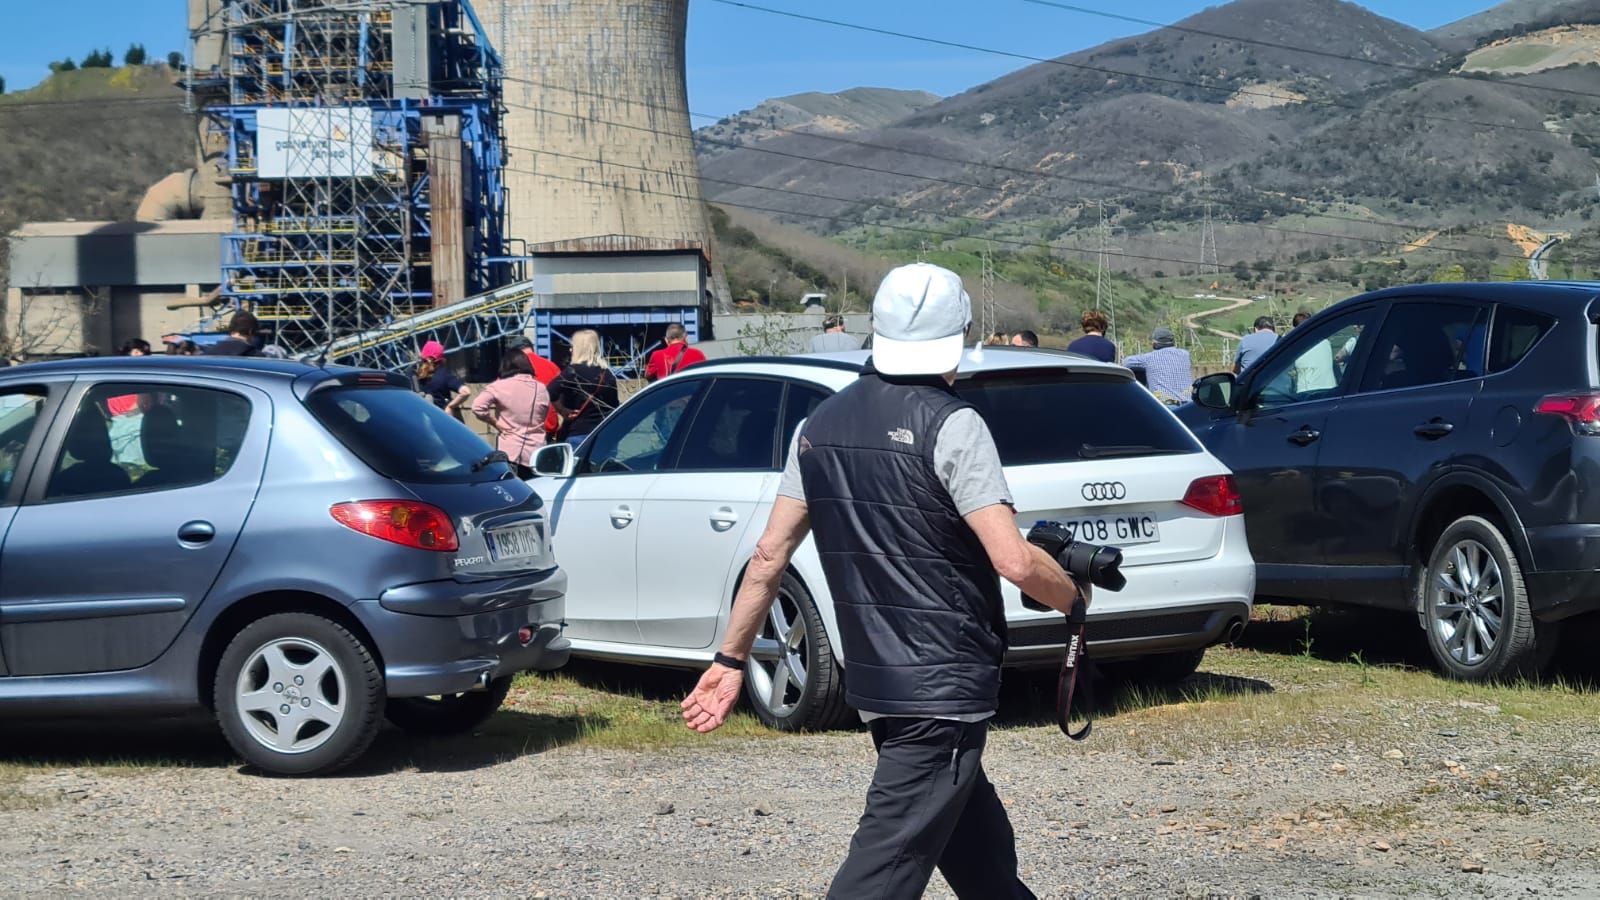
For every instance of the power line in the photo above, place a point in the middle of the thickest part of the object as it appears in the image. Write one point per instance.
(966, 184)
(1209, 240)
(1222, 200)
(959, 45)
(1312, 51)
(943, 236)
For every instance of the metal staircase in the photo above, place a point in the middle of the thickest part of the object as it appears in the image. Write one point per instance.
(475, 321)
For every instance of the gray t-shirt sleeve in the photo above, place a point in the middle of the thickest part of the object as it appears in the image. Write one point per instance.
(964, 455)
(790, 485)
(969, 464)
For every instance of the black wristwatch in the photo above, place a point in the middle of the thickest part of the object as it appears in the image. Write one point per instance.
(722, 659)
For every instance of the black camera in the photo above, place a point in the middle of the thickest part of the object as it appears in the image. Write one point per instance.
(1098, 565)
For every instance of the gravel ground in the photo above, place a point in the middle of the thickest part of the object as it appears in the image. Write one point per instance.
(1447, 803)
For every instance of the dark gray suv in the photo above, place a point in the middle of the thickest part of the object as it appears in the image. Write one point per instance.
(301, 550)
(1432, 448)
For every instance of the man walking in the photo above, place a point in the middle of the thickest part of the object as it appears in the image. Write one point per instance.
(1168, 369)
(833, 338)
(676, 356)
(1025, 338)
(1252, 345)
(899, 457)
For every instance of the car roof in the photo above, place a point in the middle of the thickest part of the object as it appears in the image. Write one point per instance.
(257, 367)
(841, 367)
(1553, 296)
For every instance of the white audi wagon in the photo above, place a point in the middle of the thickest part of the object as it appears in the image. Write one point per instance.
(657, 514)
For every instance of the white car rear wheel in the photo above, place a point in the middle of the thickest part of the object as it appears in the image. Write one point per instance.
(794, 681)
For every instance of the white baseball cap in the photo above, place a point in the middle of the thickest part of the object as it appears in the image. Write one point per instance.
(919, 321)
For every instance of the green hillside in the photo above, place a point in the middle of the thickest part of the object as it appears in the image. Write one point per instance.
(86, 144)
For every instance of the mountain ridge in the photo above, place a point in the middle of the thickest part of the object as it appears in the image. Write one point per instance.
(1160, 125)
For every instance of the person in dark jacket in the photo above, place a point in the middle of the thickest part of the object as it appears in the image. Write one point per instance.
(586, 391)
(899, 456)
(1094, 343)
(241, 339)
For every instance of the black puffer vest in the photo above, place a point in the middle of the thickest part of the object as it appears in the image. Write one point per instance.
(918, 603)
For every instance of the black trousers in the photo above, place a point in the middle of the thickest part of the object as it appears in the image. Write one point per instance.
(930, 805)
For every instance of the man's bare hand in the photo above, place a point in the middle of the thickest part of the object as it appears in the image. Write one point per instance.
(708, 705)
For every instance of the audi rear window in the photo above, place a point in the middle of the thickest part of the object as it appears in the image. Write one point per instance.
(403, 436)
(1056, 416)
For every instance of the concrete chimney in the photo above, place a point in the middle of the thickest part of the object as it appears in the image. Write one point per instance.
(590, 80)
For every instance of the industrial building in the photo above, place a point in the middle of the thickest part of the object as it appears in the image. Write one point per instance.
(85, 287)
(377, 173)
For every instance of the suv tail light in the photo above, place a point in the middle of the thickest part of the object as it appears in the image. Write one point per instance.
(1582, 411)
(1217, 495)
(404, 522)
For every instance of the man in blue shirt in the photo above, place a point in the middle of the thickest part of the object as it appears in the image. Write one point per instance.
(1168, 370)
(1252, 345)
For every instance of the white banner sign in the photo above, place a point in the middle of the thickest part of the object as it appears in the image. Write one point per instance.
(314, 143)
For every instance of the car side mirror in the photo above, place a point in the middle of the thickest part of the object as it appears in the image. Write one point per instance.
(1215, 391)
(555, 461)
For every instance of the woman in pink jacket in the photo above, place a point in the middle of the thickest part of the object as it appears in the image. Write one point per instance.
(515, 406)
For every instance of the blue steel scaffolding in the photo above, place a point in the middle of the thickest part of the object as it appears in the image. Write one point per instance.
(365, 146)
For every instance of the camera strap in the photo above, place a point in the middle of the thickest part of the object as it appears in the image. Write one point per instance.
(1071, 664)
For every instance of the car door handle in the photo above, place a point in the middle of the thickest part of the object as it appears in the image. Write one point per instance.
(621, 517)
(196, 532)
(1434, 430)
(724, 519)
(1305, 436)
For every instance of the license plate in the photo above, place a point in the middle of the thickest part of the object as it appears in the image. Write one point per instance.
(514, 543)
(1118, 531)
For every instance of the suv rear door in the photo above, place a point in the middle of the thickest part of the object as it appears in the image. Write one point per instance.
(116, 545)
(1401, 426)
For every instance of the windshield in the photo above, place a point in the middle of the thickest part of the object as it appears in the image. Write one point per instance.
(1056, 416)
(404, 437)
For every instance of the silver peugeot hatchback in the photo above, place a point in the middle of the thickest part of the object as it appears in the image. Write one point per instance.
(303, 551)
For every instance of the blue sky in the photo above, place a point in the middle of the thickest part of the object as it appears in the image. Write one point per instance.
(737, 57)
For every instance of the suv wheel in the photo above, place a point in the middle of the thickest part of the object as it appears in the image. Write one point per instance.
(794, 682)
(298, 694)
(1475, 606)
(450, 713)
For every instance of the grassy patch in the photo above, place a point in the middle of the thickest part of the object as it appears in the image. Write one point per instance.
(1514, 56)
(617, 707)
(1302, 678)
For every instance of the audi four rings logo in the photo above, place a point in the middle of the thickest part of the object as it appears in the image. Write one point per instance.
(1105, 490)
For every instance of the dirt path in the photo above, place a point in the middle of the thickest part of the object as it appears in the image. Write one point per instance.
(1193, 320)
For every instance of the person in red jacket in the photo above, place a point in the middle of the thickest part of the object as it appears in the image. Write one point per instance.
(544, 372)
(676, 356)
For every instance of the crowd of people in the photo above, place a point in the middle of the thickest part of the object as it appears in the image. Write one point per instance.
(534, 401)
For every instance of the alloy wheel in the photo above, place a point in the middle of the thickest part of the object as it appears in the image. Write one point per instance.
(1467, 603)
(778, 673)
(291, 695)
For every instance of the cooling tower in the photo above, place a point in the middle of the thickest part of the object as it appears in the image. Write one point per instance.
(597, 123)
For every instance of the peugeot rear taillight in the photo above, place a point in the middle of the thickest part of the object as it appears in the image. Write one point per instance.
(404, 522)
(1216, 495)
(1582, 411)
